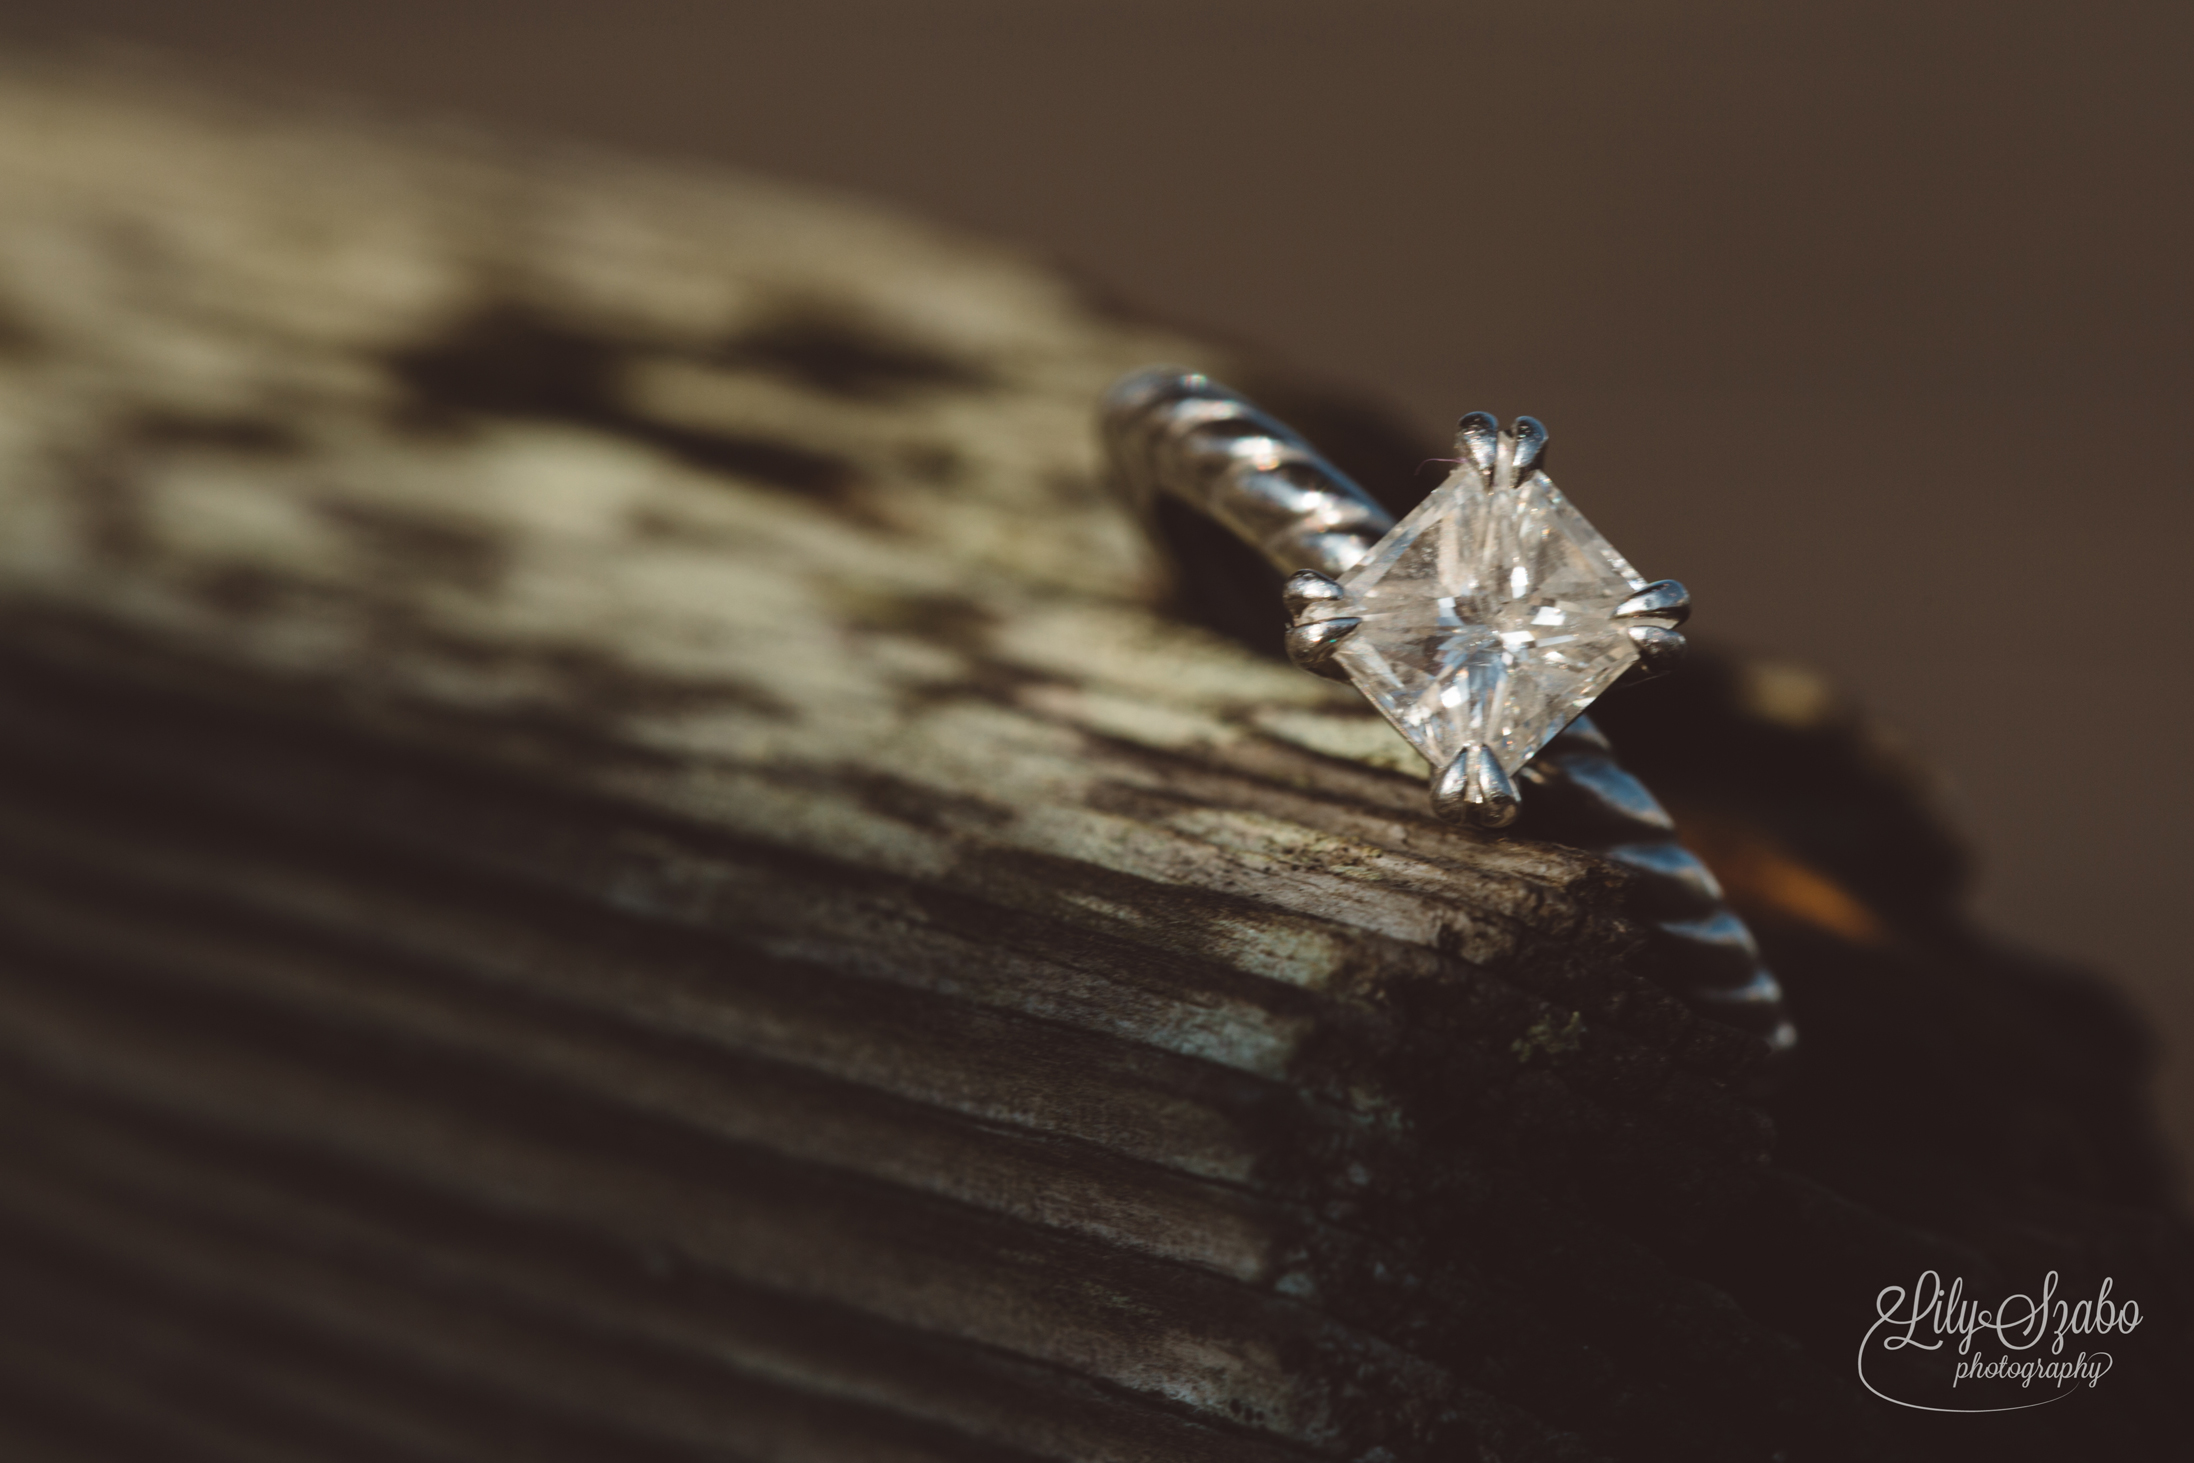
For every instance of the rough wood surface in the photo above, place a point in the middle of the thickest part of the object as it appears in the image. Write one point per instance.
(612, 851)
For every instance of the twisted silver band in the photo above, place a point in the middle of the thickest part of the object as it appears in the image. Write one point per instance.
(1180, 434)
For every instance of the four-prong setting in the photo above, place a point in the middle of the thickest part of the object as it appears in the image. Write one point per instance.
(1474, 789)
(1311, 646)
(1663, 602)
(1486, 620)
(1650, 618)
(1315, 632)
(1309, 590)
(1658, 652)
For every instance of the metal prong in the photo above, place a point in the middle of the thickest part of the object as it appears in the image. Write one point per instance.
(1311, 646)
(1530, 437)
(1478, 438)
(1308, 587)
(1658, 652)
(1663, 599)
(1474, 789)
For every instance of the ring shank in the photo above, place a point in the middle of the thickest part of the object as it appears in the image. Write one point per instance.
(1179, 432)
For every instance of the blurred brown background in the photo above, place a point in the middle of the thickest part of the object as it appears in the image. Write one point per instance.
(1869, 321)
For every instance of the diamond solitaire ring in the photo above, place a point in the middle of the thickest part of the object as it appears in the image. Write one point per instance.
(1486, 620)
(1481, 625)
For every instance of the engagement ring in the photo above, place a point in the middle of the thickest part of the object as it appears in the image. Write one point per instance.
(1482, 625)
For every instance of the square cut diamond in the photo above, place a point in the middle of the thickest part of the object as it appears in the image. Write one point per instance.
(1488, 617)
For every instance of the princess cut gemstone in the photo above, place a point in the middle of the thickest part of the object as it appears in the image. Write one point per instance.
(1488, 617)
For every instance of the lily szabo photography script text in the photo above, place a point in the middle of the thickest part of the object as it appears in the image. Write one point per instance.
(1926, 1319)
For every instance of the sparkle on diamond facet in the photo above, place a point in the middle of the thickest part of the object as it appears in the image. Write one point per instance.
(1488, 617)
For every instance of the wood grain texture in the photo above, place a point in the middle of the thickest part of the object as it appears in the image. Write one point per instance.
(612, 851)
